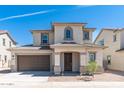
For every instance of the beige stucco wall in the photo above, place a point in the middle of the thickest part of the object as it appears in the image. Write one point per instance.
(77, 34)
(4, 51)
(75, 62)
(57, 56)
(30, 52)
(107, 35)
(116, 57)
(117, 61)
(98, 51)
(37, 37)
(57, 35)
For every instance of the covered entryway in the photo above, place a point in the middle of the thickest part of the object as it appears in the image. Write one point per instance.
(67, 61)
(33, 62)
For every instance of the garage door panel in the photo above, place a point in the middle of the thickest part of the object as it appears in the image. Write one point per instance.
(33, 62)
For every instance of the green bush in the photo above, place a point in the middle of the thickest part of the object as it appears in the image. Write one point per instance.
(91, 67)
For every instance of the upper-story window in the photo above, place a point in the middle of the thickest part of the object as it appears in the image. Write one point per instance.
(4, 43)
(10, 43)
(44, 38)
(5, 58)
(68, 33)
(86, 35)
(114, 38)
(101, 42)
(0, 57)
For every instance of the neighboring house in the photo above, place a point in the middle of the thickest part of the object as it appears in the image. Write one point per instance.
(65, 47)
(114, 54)
(6, 42)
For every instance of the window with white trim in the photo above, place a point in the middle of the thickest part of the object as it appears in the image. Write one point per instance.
(114, 38)
(86, 35)
(4, 43)
(92, 56)
(101, 42)
(44, 38)
(68, 33)
(10, 43)
(109, 59)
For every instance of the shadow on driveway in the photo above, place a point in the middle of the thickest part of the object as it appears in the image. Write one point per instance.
(36, 73)
(47, 73)
(67, 73)
(121, 73)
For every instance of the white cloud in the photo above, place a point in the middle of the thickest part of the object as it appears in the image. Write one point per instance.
(25, 15)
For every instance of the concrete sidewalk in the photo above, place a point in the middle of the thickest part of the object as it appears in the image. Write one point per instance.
(39, 84)
(84, 84)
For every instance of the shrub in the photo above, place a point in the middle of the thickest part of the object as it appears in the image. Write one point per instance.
(91, 67)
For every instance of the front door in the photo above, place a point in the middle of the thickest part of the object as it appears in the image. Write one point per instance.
(68, 61)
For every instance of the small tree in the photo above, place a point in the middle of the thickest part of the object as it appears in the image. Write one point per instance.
(91, 67)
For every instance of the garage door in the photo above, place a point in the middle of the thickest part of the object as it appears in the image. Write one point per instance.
(33, 62)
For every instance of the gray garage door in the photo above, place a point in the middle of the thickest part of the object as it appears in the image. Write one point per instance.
(33, 62)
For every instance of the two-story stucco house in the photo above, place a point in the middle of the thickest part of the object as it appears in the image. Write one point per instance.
(6, 42)
(65, 47)
(113, 55)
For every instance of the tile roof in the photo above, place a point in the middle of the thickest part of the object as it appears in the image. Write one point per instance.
(3, 31)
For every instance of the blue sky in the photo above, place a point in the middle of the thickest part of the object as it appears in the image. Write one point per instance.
(19, 20)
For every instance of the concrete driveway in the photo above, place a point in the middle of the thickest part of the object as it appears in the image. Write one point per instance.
(23, 79)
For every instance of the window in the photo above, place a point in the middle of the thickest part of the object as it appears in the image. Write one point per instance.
(13, 57)
(5, 58)
(44, 38)
(92, 56)
(114, 38)
(0, 57)
(85, 35)
(10, 44)
(101, 42)
(109, 59)
(68, 34)
(4, 42)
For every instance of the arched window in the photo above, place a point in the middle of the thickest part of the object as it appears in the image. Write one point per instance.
(68, 33)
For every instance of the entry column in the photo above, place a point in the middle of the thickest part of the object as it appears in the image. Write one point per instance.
(82, 62)
(57, 68)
